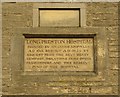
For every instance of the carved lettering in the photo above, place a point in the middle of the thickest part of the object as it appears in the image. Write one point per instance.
(58, 54)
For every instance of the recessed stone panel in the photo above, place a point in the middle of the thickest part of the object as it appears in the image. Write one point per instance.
(59, 17)
(59, 54)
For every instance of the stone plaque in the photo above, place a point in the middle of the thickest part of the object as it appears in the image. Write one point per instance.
(59, 54)
(59, 17)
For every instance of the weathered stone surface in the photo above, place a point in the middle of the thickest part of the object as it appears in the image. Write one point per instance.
(113, 42)
(100, 90)
(15, 81)
(113, 48)
(5, 51)
(58, 54)
(113, 55)
(6, 40)
(59, 18)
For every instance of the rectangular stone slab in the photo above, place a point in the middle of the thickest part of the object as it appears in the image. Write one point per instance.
(58, 54)
(59, 17)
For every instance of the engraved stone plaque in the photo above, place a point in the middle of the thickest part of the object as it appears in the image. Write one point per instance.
(59, 54)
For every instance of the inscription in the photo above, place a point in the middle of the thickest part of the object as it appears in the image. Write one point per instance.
(58, 54)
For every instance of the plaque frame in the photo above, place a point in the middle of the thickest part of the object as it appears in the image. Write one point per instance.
(80, 6)
(101, 44)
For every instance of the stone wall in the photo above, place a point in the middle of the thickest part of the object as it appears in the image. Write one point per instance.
(13, 15)
(20, 16)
